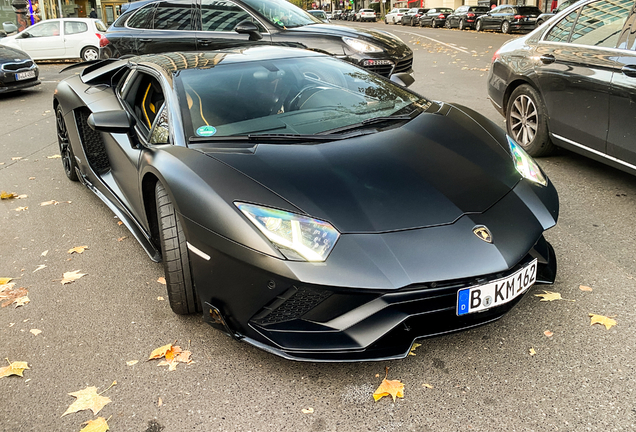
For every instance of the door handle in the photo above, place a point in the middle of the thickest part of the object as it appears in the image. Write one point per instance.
(547, 59)
(205, 41)
(629, 70)
(145, 40)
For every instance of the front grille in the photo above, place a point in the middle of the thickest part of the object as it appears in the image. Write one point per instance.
(17, 66)
(404, 65)
(384, 70)
(92, 143)
(291, 305)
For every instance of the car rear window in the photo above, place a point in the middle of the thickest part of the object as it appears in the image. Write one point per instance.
(367, 10)
(529, 11)
(478, 9)
(100, 26)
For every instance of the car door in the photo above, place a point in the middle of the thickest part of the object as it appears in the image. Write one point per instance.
(172, 28)
(576, 62)
(43, 40)
(217, 21)
(621, 138)
(75, 36)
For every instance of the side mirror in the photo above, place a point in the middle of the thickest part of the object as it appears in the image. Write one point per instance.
(9, 27)
(403, 79)
(248, 27)
(111, 121)
(24, 35)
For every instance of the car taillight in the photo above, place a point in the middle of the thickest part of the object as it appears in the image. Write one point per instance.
(495, 56)
(518, 17)
(103, 41)
(441, 16)
(470, 14)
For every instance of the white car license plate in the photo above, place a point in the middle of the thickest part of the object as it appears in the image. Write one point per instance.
(24, 75)
(496, 293)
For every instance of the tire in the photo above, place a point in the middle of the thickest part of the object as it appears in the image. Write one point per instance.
(385, 21)
(505, 27)
(89, 53)
(478, 26)
(66, 152)
(412, 22)
(538, 23)
(447, 24)
(461, 25)
(527, 122)
(433, 24)
(181, 293)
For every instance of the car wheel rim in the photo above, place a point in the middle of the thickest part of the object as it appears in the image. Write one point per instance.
(90, 54)
(62, 139)
(524, 120)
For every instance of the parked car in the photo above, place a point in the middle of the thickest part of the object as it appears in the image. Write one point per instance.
(465, 16)
(508, 18)
(546, 16)
(365, 15)
(307, 206)
(571, 84)
(152, 26)
(17, 70)
(412, 17)
(395, 15)
(320, 14)
(64, 38)
(435, 17)
(336, 14)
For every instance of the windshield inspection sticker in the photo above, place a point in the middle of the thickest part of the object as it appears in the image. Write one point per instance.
(206, 131)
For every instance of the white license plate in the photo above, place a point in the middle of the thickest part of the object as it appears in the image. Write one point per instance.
(24, 75)
(496, 293)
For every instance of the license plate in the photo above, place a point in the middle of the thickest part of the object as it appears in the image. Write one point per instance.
(24, 75)
(496, 293)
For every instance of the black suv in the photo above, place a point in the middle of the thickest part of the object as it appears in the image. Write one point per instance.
(151, 26)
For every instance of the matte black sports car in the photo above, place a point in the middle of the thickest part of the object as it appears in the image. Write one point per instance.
(17, 70)
(305, 205)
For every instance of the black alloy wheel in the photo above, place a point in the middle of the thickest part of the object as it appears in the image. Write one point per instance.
(461, 25)
(527, 122)
(174, 251)
(66, 152)
(478, 26)
(505, 27)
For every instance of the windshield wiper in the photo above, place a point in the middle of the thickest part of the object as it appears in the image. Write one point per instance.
(371, 121)
(276, 138)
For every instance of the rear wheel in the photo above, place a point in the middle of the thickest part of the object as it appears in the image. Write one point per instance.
(526, 121)
(505, 27)
(66, 152)
(181, 293)
(89, 53)
(478, 26)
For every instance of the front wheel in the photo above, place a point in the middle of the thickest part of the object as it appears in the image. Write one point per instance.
(181, 292)
(447, 24)
(526, 121)
(478, 26)
(505, 27)
(66, 152)
(89, 53)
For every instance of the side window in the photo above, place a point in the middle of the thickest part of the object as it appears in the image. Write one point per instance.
(173, 15)
(145, 100)
(161, 132)
(142, 18)
(561, 31)
(222, 16)
(45, 29)
(74, 27)
(600, 23)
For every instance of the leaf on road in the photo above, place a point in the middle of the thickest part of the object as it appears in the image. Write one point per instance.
(35, 331)
(120, 223)
(5, 280)
(160, 298)
(162, 280)
(10, 295)
(71, 276)
(44, 253)
(160, 352)
(173, 356)
(603, 320)
(47, 203)
(428, 386)
(7, 195)
(19, 209)
(15, 368)
(100, 424)
(40, 267)
(413, 348)
(122, 238)
(585, 288)
(77, 249)
(16, 158)
(551, 296)
(23, 196)
(88, 399)
(393, 388)
(132, 362)
(532, 352)
(307, 410)
(54, 157)
(548, 333)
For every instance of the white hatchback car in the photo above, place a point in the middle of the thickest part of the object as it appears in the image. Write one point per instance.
(365, 15)
(63, 38)
(395, 16)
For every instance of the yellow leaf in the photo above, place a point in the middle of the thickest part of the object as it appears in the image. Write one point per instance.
(585, 288)
(551, 296)
(19, 209)
(47, 203)
(159, 402)
(122, 238)
(98, 425)
(9, 295)
(35, 331)
(71, 276)
(162, 280)
(132, 362)
(54, 157)
(40, 267)
(308, 410)
(160, 352)
(548, 333)
(414, 347)
(15, 368)
(173, 356)
(428, 386)
(77, 249)
(5, 280)
(160, 298)
(603, 320)
(532, 351)
(87, 399)
(7, 195)
(120, 223)
(392, 388)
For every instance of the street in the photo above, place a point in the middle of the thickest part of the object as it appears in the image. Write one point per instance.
(542, 367)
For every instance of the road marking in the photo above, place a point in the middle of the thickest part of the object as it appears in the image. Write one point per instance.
(434, 40)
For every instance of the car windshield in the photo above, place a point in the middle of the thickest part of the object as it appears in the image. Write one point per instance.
(282, 13)
(293, 96)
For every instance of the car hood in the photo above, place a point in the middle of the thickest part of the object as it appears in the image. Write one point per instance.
(429, 172)
(9, 54)
(379, 37)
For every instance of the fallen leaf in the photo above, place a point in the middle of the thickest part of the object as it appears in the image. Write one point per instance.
(173, 356)
(132, 362)
(44, 253)
(5, 280)
(16, 158)
(54, 157)
(72, 276)
(392, 388)
(19, 209)
(77, 249)
(532, 351)
(40, 267)
(585, 288)
(10, 295)
(603, 320)
(548, 333)
(35, 331)
(377, 375)
(120, 223)
(160, 298)
(414, 347)
(308, 410)
(47, 203)
(160, 352)
(23, 196)
(7, 195)
(122, 238)
(88, 399)
(162, 280)
(100, 424)
(551, 296)
(428, 386)
(31, 178)
(159, 402)
(15, 368)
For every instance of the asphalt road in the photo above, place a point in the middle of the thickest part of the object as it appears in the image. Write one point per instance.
(582, 378)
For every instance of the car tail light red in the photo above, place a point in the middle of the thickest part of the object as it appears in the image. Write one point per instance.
(518, 17)
(103, 41)
(441, 16)
(470, 14)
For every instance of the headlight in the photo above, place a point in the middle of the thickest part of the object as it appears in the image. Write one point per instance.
(526, 166)
(361, 46)
(297, 237)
